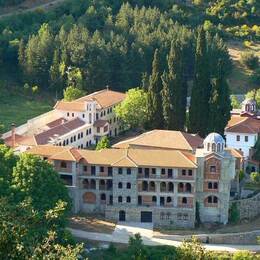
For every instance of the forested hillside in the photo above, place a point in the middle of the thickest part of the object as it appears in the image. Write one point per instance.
(111, 42)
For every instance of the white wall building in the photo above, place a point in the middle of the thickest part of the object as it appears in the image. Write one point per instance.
(243, 128)
(80, 123)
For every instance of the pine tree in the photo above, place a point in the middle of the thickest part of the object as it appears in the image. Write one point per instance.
(199, 108)
(220, 103)
(154, 106)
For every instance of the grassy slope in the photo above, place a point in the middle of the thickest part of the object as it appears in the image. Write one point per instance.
(18, 108)
(239, 80)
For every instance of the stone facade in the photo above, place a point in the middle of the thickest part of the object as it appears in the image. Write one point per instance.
(248, 208)
(145, 185)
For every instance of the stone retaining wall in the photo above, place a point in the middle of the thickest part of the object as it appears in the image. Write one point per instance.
(248, 208)
(243, 238)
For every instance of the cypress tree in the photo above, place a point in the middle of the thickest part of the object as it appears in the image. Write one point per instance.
(167, 102)
(199, 107)
(179, 88)
(220, 103)
(154, 106)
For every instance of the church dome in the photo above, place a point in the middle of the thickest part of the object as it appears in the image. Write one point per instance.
(214, 142)
(249, 105)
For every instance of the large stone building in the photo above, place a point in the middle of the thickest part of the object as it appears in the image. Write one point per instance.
(78, 123)
(160, 183)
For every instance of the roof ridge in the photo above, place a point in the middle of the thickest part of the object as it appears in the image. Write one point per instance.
(67, 149)
(182, 133)
(237, 123)
(183, 155)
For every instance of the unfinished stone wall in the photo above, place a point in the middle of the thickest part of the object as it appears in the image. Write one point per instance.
(248, 208)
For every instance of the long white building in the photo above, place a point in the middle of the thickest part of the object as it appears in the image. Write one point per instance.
(80, 123)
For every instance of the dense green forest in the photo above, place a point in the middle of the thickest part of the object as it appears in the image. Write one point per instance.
(112, 42)
(4, 3)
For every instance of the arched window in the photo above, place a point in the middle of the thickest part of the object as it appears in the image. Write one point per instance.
(213, 147)
(215, 199)
(120, 199)
(170, 186)
(188, 187)
(145, 185)
(163, 186)
(218, 147)
(184, 200)
(210, 185)
(152, 186)
(180, 187)
(93, 184)
(103, 196)
(120, 185)
(128, 185)
(169, 200)
(215, 185)
(209, 199)
(128, 199)
(85, 184)
(102, 182)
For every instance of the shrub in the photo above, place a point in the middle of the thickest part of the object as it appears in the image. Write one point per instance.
(250, 60)
(234, 214)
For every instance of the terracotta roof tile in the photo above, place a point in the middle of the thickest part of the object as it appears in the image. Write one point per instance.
(70, 106)
(163, 139)
(248, 125)
(57, 122)
(118, 157)
(44, 137)
(105, 98)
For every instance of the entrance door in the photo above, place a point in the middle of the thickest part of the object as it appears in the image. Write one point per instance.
(146, 216)
(121, 215)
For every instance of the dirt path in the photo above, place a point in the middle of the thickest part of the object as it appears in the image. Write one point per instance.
(29, 6)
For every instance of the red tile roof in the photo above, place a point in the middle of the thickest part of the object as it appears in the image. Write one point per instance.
(247, 125)
(44, 137)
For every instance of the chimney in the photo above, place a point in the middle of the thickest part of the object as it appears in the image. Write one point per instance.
(13, 134)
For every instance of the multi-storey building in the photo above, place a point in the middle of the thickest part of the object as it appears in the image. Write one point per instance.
(243, 130)
(78, 123)
(147, 184)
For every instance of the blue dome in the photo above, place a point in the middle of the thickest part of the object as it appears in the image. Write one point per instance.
(214, 142)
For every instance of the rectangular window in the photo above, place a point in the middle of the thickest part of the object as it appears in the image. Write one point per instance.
(101, 169)
(212, 169)
(238, 138)
(105, 128)
(63, 165)
(109, 170)
(190, 172)
(85, 168)
(153, 171)
(93, 170)
(183, 172)
(67, 179)
(98, 129)
(120, 170)
(163, 171)
(140, 170)
(246, 138)
(128, 171)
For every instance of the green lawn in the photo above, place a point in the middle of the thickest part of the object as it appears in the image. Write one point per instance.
(18, 108)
